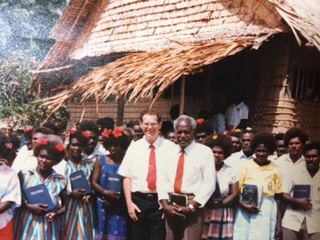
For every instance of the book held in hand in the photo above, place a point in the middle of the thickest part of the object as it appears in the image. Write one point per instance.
(114, 182)
(179, 199)
(216, 196)
(39, 195)
(79, 181)
(302, 191)
(252, 194)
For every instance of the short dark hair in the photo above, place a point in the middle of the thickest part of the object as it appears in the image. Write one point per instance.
(89, 126)
(150, 112)
(80, 137)
(293, 133)
(51, 148)
(204, 127)
(43, 130)
(247, 130)
(52, 126)
(13, 138)
(220, 140)
(106, 122)
(122, 141)
(266, 139)
(315, 145)
(279, 136)
(235, 134)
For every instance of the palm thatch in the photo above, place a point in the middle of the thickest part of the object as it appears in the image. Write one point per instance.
(142, 72)
(303, 17)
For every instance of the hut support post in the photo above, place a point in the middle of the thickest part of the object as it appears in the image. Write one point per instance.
(182, 94)
(120, 111)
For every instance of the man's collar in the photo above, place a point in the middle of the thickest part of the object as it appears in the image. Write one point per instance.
(189, 148)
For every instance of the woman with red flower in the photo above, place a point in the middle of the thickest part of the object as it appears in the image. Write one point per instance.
(112, 209)
(38, 222)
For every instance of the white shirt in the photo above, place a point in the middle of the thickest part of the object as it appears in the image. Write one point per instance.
(226, 176)
(198, 174)
(293, 218)
(60, 168)
(218, 123)
(93, 156)
(237, 159)
(135, 163)
(101, 149)
(235, 113)
(24, 160)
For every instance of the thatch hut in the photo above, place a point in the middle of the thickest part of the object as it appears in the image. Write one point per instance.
(265, 51)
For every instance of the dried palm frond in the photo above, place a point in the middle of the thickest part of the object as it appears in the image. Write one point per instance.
(141, 73)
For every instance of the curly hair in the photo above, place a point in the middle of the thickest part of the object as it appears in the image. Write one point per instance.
(43, 130)
(51, 148)
(220, 140)
(235, 134)
(279, 136)
(80, 137)
(52, 126)
(267, 139)
(122, 141)
(293, 133)
(315, 145)
(204, 127)
(89, 126)
(106, 122)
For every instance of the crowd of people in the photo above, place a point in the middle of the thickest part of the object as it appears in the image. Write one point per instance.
(179, 180)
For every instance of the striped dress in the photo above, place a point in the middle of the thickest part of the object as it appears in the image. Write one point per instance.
(30, 226)
(79, 215)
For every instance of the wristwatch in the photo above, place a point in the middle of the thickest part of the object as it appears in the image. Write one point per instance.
(192, 208)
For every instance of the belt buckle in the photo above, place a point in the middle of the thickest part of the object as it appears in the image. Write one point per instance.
(149, 196)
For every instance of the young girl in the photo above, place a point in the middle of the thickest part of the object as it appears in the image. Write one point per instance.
(219, 213)
(79, 209)
(112, 210)
(253, 223)
(33, 221)
(10, 194)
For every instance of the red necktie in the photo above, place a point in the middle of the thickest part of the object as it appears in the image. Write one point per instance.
(152, 175)
(179, 174)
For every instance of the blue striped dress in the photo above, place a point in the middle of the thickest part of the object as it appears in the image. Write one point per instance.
(30, 226)
(79, 215)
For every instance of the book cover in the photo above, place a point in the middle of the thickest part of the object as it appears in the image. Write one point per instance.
(302, 191)
(114, 182)
(179, 199)
(79, 181)
(252, 194)
(39, 195)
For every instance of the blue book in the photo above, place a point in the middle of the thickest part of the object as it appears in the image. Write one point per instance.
(79, 181)
(114, 182)
(302, 191)
(39, 195)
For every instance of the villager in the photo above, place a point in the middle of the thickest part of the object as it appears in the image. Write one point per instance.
(281, 145)
(138, 133)
(236, 140)
(202, 130)
(171, 136)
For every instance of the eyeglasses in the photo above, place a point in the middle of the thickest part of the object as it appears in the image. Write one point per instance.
(149, 124)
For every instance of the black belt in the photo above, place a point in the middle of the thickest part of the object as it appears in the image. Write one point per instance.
(146, 196)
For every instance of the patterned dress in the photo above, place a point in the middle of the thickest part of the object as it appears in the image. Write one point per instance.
(30, 226)
(79, 215)
(112, 220)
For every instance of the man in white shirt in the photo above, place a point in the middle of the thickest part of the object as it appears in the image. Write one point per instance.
(191, 172)
(142, 168)
(302, 217)
(237, 116)
(236, 160)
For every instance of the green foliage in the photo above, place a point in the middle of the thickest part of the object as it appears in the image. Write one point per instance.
(18, 105)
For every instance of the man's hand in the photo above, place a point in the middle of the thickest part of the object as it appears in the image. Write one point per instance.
(38, 209)
(132, 208)
(175, 211)
(303, 203)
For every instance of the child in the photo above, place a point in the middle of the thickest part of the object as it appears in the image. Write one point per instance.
(253, 223)
(33, 221)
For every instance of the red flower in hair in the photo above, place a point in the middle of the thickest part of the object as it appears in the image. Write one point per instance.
(117, 132)
(9, 145)
(28, 130)
(43, 142)
(106, 133)
(85, 134)
(200, 120)
(72, 131)
(60, 147)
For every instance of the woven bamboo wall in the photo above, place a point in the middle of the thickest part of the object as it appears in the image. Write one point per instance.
(131, 110)
(274, 111)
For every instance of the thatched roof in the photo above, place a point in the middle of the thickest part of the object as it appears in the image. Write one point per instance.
(159, 32)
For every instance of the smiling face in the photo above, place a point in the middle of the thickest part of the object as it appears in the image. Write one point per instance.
(312, 160)
(150, 127)
(45, 161)
(184, 133)
(92, 143)
(75, 149)
(295, 147)
(262, 153)
(218, 155)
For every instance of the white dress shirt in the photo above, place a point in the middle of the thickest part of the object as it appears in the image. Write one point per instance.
(135, 164)
(24, 160)
(238, 159)
(198, 174)
(226, 176)
(287, 166)
(293, 218)
(235, 113)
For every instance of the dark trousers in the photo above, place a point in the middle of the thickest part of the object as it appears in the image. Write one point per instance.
(150, 224)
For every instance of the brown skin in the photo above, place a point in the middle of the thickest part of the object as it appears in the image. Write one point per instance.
(185, 136)
(93, 141)
(138, 134)
(295, 149)
(200, 137)
(172, 137)
(45, 164)
(246, 139)
(36, 138)
(236, 143)
(262, 154)
(281, 148)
